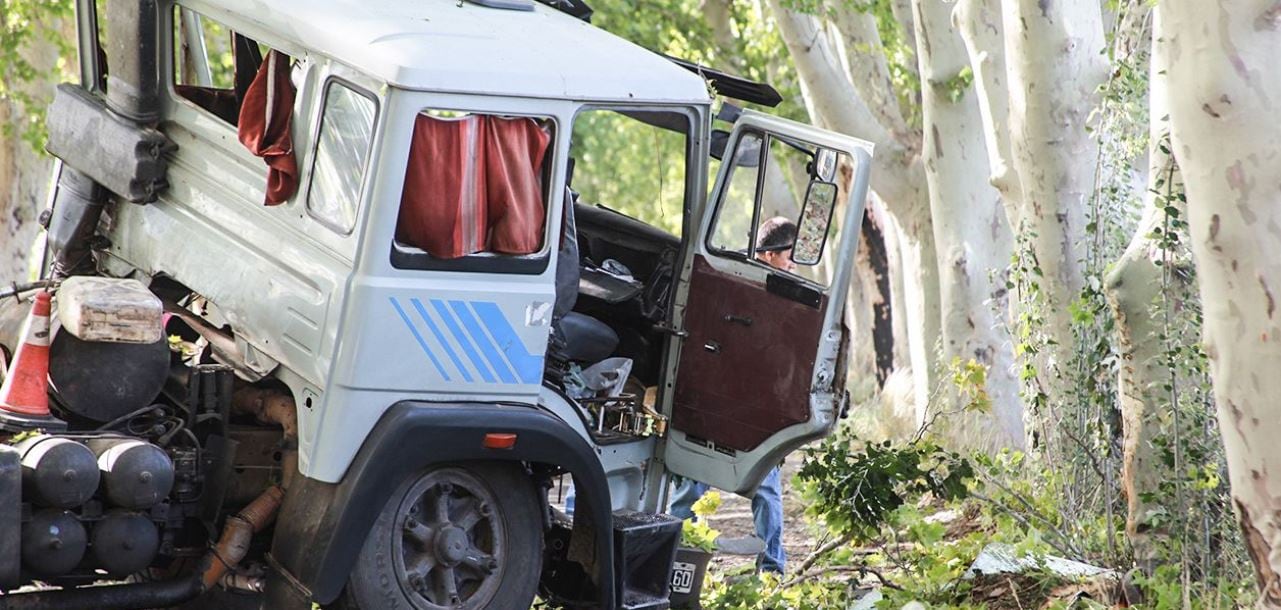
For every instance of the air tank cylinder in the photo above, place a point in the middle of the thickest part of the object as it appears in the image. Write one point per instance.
(125, 542)
(135, 474)
(53, 542)
(58, 472)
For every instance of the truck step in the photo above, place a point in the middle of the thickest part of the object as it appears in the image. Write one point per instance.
(644, 549)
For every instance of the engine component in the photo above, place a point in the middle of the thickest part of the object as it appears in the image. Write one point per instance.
(10, 516)
(77, 207)
(58, 471)
(119, 154)
(110, 309)
(103, 381)
(53, 542)
(274, 407)
(125, 542)
(135, 474)
(239, 531)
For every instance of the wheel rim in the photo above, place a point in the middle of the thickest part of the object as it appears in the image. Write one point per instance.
(452, 544)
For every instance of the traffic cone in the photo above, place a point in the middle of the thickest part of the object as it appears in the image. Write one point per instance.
(24, 396)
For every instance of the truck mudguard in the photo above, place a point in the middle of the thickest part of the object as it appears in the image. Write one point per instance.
(322, 526)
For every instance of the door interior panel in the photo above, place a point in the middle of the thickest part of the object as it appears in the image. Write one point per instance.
(745, 369)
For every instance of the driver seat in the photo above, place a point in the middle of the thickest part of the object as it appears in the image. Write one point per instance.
(586, 338)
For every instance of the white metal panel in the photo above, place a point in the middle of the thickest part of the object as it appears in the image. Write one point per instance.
(452, 46)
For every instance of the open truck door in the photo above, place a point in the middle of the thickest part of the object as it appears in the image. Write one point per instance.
(761, 363)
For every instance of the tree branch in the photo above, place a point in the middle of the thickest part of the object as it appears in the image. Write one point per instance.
(980, 25)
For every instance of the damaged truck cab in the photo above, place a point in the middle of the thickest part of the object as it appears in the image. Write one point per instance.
(399, 300)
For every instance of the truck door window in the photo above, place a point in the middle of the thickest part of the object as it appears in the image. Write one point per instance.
(342, 155)
(753, 197)
(735, 219)
(634, 162)
(475, 194)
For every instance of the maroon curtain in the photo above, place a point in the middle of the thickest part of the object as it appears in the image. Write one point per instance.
(474, 185)
(265, 118)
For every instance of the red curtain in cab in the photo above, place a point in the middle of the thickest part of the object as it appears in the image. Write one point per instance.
(265, 118)
(474, 184)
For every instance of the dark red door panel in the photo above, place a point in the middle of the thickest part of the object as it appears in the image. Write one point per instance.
(746, 367)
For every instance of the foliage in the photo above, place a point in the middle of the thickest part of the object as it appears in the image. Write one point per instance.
(24, 25)
(695, 533)
(853, 490)
(767, 590)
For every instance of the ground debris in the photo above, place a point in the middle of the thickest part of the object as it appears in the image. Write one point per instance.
(1001, 579)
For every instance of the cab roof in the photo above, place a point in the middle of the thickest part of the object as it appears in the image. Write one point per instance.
(447, 45)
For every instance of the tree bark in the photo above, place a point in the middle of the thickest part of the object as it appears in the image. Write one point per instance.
(1055, 64)
(980, 25)
(970, 232)
(24, 170)
(1133, 286)
(1224, 102)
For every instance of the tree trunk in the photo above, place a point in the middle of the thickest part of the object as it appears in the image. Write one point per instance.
(1224, 102)
(970, 232)
(980, 25)
(1133, 287)
(1055, 64)
(25, 170)
(894, 261)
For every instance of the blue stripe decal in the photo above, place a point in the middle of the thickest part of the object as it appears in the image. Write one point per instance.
(528, 366)
(435, 330)
(422, 342)
(482, 340)
(462, 340)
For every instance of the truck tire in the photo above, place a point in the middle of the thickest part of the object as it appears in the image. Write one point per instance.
(463, 536)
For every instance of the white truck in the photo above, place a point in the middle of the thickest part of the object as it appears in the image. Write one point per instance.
(364, 391)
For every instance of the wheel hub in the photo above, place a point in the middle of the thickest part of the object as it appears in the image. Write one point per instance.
(451, 545)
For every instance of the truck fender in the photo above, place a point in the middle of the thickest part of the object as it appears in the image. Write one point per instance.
(322, 526)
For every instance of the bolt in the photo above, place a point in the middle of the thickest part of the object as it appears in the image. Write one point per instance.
(411, 523)
(485, 510)
(446, 488)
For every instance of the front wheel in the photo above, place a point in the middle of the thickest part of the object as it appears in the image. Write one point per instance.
(462, 537)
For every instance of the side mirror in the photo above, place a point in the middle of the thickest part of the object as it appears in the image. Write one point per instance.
(816, 217)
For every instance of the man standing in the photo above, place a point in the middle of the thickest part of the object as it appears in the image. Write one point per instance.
(774, 242)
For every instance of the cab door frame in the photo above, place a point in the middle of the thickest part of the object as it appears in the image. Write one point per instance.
(741, 471)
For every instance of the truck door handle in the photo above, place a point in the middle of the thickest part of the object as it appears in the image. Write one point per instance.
(712, 347)
(745, 321)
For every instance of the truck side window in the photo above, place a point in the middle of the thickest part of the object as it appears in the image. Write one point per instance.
(475, 186)
(342, 155)
(213, 66)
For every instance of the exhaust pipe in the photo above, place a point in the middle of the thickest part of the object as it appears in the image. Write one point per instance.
(133, 83)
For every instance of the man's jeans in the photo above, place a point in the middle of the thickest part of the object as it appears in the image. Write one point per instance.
(767, 512)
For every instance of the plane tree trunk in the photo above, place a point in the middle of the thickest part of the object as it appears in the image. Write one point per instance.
(1134, 288)
(970, 232)
(1224, 100)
